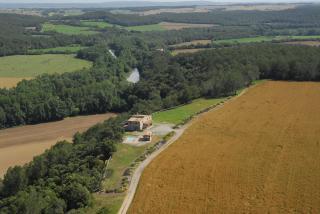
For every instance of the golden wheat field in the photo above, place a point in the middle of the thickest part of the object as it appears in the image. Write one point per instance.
(259, 153)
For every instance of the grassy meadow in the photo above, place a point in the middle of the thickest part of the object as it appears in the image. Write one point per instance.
(98, 24)
(33, 65)
(177, 115)
(67, 29)
(121, 160)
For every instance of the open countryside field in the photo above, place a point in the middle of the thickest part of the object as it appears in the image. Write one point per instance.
(259, 153)
(33, 65)
(67, 29)
(179, 114)
(20, 144)
(98, 24)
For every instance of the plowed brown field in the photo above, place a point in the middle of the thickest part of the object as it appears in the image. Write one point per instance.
(259, 153)
(20, 144)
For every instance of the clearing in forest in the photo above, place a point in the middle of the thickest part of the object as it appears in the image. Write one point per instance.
(259, 153)
(19, 145)
(33, 65)
(67, 29)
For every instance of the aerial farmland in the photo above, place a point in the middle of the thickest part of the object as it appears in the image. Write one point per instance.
(249, 156)
(159, 107)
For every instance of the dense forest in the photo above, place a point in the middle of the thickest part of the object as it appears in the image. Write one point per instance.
(166, 81)
(63, 177)
(299, 16)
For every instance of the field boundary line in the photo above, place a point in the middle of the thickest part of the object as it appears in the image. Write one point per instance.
(178, 132)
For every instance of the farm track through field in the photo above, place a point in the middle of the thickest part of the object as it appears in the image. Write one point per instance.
(257, 154)
(19, 145)
(137, 173)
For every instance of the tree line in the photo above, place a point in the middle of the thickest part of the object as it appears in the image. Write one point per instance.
(166, 81)
(62, 179)
(302, 15)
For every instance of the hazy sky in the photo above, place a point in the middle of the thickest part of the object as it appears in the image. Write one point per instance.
(96, 1)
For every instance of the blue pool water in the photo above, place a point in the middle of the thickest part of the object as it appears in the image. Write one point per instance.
(131, 139)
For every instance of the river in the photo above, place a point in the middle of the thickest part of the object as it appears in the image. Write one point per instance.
(134, 76)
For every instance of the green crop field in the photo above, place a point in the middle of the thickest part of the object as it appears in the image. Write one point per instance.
(98, 24)
(177, 115)
(264, 39)
(143, 28)
(65, 49)
(67, 29)
(33, 65)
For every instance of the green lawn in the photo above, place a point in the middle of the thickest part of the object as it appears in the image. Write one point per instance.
(121, 160)
(177, 115)
(98, 24)
(263, 39)
(67, 49)
(144, 28)
(112, 202)
(67, 29)
(33, 65)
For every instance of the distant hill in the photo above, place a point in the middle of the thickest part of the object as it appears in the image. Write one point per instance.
(114, 4)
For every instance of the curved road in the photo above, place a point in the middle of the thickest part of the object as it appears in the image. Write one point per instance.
(137, 174)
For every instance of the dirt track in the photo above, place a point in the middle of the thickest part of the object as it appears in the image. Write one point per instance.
(19, 145)
(257, 154)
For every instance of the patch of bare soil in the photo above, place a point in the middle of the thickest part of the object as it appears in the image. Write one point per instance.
(20, 144)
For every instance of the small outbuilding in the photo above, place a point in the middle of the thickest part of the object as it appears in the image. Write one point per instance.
(147, 136)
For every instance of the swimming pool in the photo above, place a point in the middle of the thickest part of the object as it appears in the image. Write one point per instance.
(131, 139)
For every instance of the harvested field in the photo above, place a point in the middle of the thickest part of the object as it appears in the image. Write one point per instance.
(308, 43)
(20, 144)
(259, 153)
(179, 26)
(9, 82)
